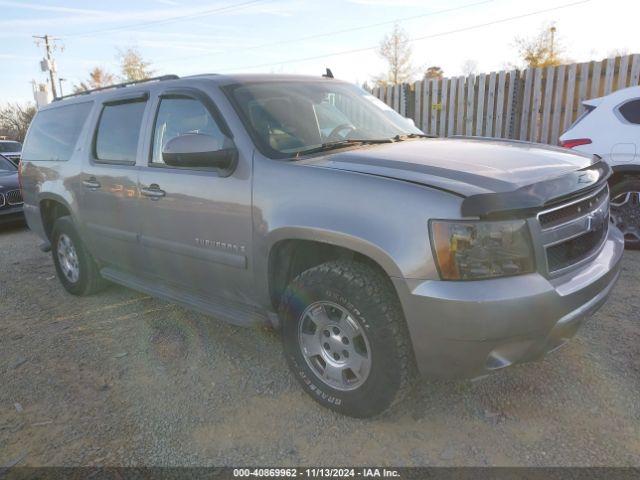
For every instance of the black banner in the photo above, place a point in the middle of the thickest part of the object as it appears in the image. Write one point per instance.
(179, 473)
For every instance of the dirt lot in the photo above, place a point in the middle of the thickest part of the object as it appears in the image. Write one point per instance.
(123, 379)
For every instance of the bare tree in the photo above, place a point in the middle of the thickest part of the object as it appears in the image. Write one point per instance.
(434, 73)
(618, 52)
(98, 78)
(132, 66)
(15, 119)
(396, 50)
(542, 50)
(469, 67)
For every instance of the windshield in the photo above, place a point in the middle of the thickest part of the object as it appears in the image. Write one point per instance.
(290, 118)
(10, 147)
(6, 165)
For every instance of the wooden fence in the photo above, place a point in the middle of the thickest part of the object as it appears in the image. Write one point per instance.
(536, 104)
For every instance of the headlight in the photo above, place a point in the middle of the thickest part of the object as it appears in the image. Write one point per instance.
(472, 250)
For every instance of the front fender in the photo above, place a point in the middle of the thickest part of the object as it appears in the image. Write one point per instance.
(384, 219)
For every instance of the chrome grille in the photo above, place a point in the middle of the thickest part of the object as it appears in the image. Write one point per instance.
(14, 197)
(574, 231)
(563, 214)
(2, 200)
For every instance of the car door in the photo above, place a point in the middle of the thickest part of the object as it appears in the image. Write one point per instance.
(109, 182)
(627, 132)
(195, 222)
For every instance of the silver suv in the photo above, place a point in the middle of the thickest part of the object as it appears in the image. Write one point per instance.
(308, 204)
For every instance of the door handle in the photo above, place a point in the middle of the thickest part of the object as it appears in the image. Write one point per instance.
(91, 183)
(153, 192)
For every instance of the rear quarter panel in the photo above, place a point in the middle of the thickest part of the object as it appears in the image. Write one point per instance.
(52, 180)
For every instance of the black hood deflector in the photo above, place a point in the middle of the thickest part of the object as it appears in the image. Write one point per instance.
(537, 195)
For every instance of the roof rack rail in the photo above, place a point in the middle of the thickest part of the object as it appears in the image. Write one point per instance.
(119, 85)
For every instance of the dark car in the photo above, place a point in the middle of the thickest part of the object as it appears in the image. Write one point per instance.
(10, 195)
(11, 150)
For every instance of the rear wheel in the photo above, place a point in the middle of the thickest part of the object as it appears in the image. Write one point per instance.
(77, 270)
(345, 338)
(625, 210)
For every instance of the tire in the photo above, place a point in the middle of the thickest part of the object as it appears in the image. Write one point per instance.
(86, 278)
(625, 210)
(329, 292)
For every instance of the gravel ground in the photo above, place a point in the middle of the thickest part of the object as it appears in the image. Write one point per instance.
(122, 379)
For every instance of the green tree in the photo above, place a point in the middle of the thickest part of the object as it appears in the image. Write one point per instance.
(433, 73)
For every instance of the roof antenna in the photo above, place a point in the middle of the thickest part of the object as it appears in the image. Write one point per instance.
(329, 74)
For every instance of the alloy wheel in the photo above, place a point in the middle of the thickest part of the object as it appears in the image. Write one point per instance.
(625, 214)
(68, 258)
(334, 345)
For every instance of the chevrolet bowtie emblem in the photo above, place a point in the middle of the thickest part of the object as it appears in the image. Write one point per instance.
(595, 220)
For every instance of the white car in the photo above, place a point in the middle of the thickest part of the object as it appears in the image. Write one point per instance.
(610, 128)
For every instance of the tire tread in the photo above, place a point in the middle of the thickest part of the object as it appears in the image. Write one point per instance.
(372, 286)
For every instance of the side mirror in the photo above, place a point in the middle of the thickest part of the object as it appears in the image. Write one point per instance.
(197, 150)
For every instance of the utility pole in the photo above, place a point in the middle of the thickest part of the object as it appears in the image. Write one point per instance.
(552, 54)
(51, 66)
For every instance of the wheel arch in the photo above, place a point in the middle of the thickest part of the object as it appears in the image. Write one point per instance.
(51, 208)
(622, 172)
(295, 252)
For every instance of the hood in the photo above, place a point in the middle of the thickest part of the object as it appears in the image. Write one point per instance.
(463, 166)
(480, 168)
(8, 181)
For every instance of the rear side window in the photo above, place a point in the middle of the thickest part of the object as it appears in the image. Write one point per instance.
(8, 147)
(118, 132)
(54, 132)
(630, 111)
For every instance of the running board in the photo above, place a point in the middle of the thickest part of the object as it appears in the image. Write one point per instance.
(229, 311)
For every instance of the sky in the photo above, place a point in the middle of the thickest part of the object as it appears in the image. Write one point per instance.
(296, 36)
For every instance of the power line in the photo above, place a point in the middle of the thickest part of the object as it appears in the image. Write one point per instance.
(164, 21)
(416, 39)
(328, 34)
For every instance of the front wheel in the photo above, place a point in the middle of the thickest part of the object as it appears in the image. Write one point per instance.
(345, 338)
(625, 210)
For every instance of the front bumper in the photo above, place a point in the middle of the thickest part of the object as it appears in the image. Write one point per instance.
(11, 214)
(468, 329)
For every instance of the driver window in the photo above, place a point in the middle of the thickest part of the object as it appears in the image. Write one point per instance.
(179, 116)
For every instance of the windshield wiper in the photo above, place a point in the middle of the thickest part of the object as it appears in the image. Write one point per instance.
(404, 136)
(342, 143)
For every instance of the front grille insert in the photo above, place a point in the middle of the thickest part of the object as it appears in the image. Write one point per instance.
(573, 251)
(14, 197)
(575, 231)
(2, 200)
(567, 213)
